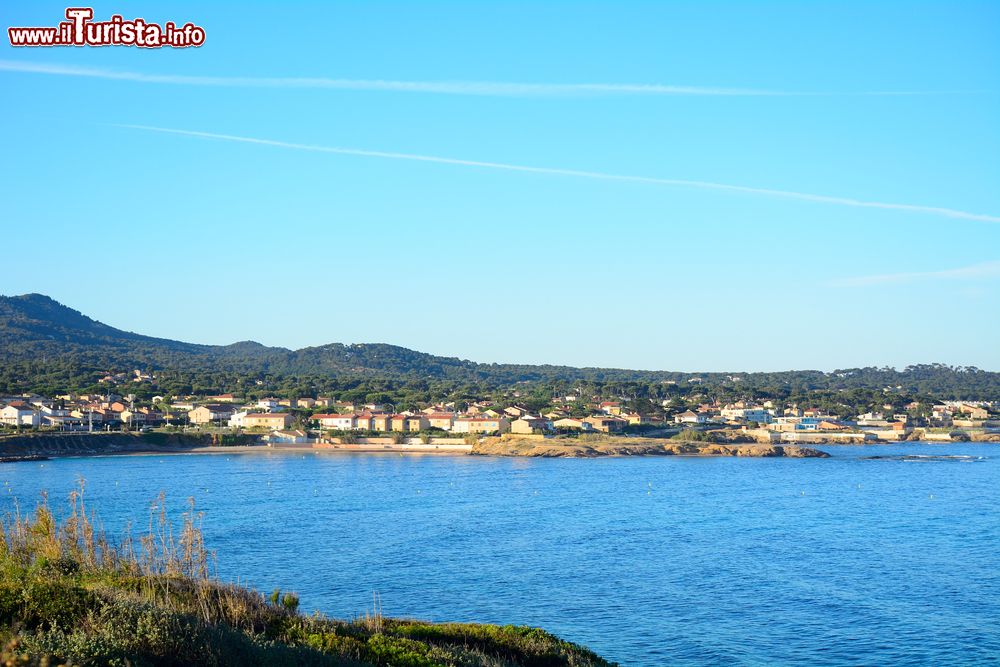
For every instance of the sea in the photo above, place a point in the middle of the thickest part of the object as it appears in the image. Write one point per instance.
(879, 555)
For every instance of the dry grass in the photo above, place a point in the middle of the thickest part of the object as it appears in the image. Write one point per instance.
(70, 595)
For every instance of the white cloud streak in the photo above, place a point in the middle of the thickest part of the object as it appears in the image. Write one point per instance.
(478, 88)
(704, 185)
(976, 271)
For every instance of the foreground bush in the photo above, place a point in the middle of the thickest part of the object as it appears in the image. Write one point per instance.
(68, 596)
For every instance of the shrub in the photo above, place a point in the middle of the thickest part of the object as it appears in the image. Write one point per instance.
(153, 601)
(290, 601)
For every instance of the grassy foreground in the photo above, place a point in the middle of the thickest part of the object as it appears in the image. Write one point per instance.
(68, 596)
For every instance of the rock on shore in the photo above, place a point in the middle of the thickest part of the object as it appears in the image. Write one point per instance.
(513, 446)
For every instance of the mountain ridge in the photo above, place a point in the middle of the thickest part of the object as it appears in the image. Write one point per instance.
(38, 333)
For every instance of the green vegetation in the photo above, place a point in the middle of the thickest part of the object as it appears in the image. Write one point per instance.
(70, 596)
(50, 349)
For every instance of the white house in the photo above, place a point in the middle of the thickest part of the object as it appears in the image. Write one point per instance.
(288, 437)
(690, 417)
(19, 415)
(759, 415)
(337, 422)
(269, 404)
(872, 419)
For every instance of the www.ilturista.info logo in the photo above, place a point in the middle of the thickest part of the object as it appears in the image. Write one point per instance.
(81, 30)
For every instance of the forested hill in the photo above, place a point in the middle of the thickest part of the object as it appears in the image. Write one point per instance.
(40, 337)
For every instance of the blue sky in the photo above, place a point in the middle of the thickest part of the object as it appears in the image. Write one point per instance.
(217, 240)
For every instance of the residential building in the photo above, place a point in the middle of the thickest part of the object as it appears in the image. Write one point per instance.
(789, 423)
(381, 422)
(635, 419)
(288, 437)
(20, 415)
(690, 417)
(206, 414)
(748, 414)
(607, 423)
(409, 423)
(441, 420)
(481, 425)
(64, 422)
(872, 419)
(275, 421)
(973, 411)
(269, 404)
(573, 424)
(529, 424)
(133, 418)
(336, 422)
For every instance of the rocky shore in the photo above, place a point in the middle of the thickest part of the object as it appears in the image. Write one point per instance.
(34, 446)
(555, 448)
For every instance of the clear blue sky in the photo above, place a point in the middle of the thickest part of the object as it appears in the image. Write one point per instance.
(218, 240)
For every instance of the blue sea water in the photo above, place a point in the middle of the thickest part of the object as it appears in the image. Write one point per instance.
(648, 561)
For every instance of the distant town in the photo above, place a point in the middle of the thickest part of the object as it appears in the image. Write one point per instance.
(319, 419)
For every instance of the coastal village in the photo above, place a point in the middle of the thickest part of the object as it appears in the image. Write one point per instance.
(326, 420)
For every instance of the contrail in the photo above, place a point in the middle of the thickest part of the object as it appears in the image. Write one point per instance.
(480, 88)
(706, 185)
(984, 270)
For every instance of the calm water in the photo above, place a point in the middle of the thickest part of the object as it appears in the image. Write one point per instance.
(649, 561)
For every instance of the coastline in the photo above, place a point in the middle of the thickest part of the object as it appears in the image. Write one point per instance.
(187, 450)
(39, 447)
(31, 447)
(627, 447)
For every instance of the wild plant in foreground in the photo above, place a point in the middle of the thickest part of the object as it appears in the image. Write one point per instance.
(70, 595)
(78, 542)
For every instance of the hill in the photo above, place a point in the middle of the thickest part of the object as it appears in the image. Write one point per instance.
(44, 343)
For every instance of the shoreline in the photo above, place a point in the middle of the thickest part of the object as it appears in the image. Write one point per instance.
(507, 449)
(25, 450)
(213, 450)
